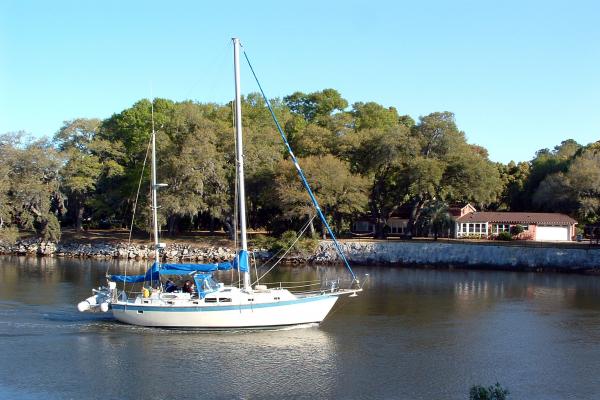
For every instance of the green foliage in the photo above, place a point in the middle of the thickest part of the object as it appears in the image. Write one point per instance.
(547, 162)
(365, 159)
(441, 166)
(88, 160)
(341, 194)
(317, 106)
(304, 246)
(516, 230)
(195, 183)
(313, 140)
(29, 186)
(576, 190)
(505, 236)
(514, 177)
(9, 234)
(49, 228)
(374, 116)
(494, 392)
(436, 219)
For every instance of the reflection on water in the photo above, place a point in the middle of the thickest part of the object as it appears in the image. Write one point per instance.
(416, 334)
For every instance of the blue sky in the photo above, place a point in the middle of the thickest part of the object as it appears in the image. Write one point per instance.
(519, 75)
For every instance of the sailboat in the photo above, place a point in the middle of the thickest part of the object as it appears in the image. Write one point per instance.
(212, 304)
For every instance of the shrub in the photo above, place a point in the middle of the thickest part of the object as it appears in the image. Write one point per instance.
(516, 230)
(9, 235)
(51, 229)
(263, 241)
(304, 246)
(473, 236)
(495, 392)
(504, 236)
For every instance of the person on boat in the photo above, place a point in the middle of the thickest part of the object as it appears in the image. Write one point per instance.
(170, 286)
(188, 287)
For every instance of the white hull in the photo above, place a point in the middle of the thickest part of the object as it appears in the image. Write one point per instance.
(299, 311)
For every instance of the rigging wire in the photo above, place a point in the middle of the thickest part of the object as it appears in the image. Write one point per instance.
(300, 173)
(214, 66)
(137, 195)
(287, 251)
(280, 250)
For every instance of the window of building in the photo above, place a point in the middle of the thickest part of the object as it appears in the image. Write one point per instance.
(361, 226)
(497, 228)
(397, 229)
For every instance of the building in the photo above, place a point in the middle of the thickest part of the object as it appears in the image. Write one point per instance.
(536, 226)
(395, 225)
(459, 211)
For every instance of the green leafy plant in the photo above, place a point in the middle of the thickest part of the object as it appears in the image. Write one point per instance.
(504, 236)
(9, 234)
(515, 230)
(304, 246)
(494, 392)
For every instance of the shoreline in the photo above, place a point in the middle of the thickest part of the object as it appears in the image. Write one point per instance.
(419, 254)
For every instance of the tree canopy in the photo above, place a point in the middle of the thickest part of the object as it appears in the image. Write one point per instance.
(366, 159)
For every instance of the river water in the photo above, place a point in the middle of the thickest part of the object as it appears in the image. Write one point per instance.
(413, 334)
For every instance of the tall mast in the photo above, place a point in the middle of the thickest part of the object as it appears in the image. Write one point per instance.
(240, 153)
(154, 190)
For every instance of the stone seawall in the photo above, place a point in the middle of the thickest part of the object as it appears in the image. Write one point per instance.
(465, 255)
(123, 251)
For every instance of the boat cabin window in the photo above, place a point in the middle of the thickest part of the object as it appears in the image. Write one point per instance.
(210, 300)
(224, 300)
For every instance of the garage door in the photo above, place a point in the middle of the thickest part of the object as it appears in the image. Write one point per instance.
(552, 233)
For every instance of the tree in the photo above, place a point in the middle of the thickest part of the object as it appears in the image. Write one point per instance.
(374, 116)
(447, 168)
(545, 163)
(313, 140)
(381, 156)
(584, 179)
(88, 158)
(436, 219)
(191, 167)
(514, 177)
(575, 191)
(469, 176)
(317, 106)
(341, 194)
(5, 206)
(30, 188)
(407, 121)
(494, 392)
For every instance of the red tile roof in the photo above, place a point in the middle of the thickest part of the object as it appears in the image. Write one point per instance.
(517, 218)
